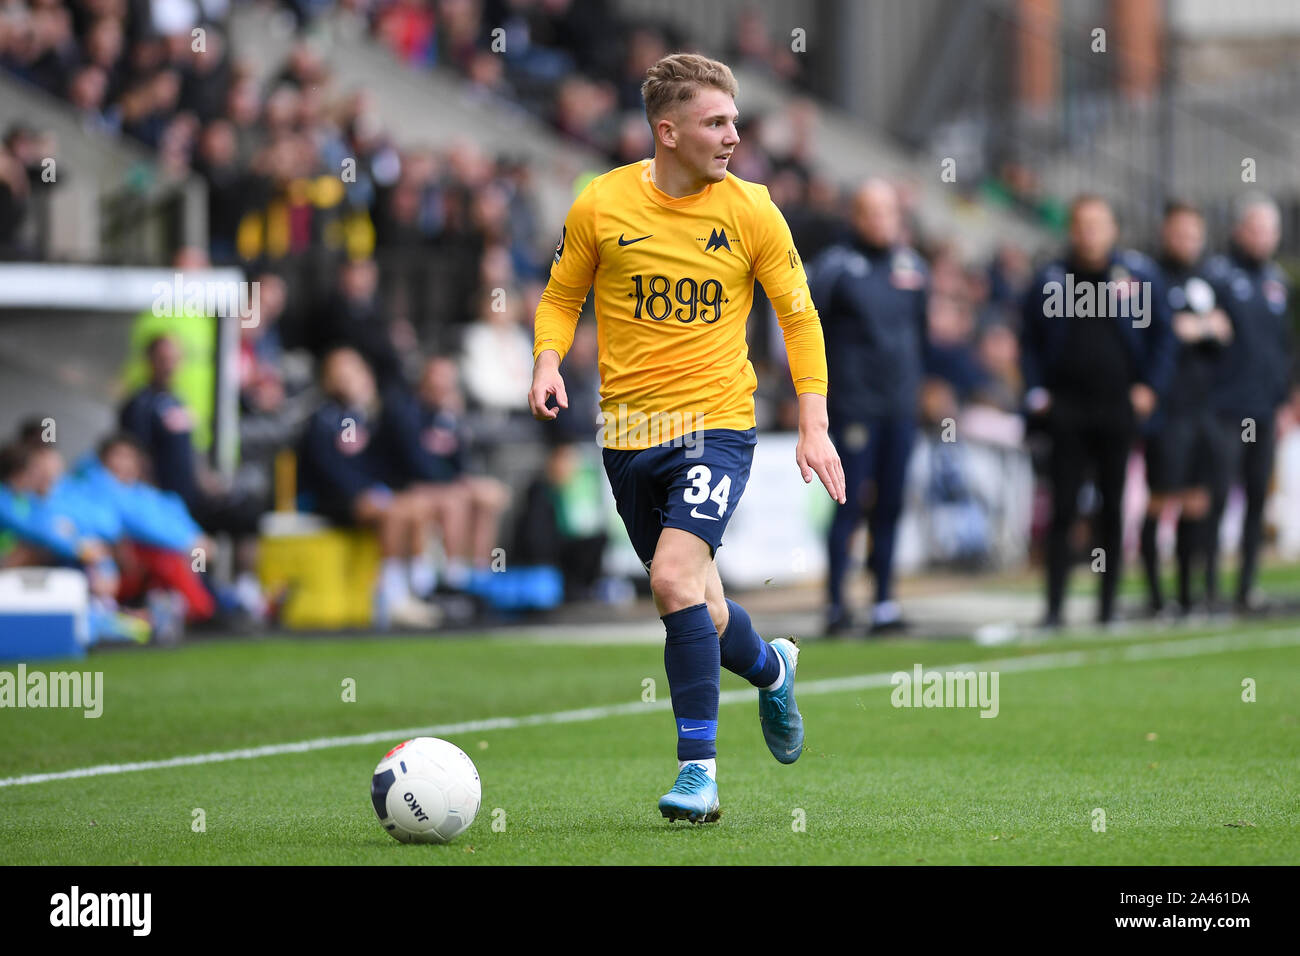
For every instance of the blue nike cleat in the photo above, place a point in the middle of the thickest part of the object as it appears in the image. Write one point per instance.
(777, 712)
(694, 797)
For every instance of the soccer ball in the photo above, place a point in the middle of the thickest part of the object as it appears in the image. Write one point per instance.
(426, 790)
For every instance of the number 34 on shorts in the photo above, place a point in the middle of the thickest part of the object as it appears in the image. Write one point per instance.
(698, 492)
(670, 486)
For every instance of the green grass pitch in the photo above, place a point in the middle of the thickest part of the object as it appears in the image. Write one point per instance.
(1185, 771)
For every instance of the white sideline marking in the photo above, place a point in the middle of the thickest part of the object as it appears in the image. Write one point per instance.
(1192, 647)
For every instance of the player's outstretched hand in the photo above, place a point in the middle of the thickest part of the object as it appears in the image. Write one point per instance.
(816, 455)
(546, 382)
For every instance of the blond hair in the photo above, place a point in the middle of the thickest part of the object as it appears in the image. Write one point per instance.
(677, 77)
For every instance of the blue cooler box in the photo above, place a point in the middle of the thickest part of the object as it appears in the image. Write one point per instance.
(43, 613)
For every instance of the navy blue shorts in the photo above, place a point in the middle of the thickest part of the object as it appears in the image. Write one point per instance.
(693, 488)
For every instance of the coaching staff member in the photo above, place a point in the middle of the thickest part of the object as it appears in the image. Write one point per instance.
(1182, 435)
(871, 291)
(1253, 379)
(1096, 351)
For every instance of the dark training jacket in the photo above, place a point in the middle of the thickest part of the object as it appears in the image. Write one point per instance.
(1043, 337)
(872, 304)
(1255, 373)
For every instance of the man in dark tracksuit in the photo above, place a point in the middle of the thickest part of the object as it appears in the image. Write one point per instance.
(1182, 437)
(163, 425)
(347, 471)
(345, 456)
(1095, 351)
(871, 294)
(1253, 380)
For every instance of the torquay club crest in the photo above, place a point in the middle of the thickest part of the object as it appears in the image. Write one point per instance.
(717, 240)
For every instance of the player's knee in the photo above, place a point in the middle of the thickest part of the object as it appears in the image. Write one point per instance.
(673, 587)
(718, 611)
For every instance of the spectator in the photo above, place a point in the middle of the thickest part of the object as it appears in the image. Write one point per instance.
(582, 383)
(205, 75)
(24, 189)
(585, 112)
(754, 50)
(356, 319)
(152, 104)
(347, 472)
(951, 357)
(15, 204)
(497, 352)
(218, 162)
(1009, 274)
(242, 110)
(46, 52)
(408, 27)
(561, 524)
(644, 47)
(998, 353)
(275, 397)
(87, 92)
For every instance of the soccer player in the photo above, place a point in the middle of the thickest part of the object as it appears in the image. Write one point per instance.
(673, 246)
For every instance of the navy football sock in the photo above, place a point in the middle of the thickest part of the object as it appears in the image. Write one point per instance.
(744, 653)
(691, 660)
(1151, 560)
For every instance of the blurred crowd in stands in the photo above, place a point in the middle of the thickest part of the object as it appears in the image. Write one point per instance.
(393, 345)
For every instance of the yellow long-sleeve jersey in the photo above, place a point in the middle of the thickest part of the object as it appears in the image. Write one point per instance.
(674, 282)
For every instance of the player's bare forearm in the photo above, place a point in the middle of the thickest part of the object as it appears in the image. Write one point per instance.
(547, 382)
(815, 453)
(812, 413)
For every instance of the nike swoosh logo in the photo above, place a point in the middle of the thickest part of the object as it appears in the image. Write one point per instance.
(628, 242)
(695, 513)
(687, 730)
(791, 750)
